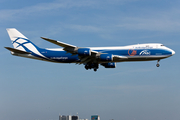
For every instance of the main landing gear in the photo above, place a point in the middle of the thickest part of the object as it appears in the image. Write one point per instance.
(94, 66)
(158, 63)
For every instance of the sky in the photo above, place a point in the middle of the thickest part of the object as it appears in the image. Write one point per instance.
(38, 90)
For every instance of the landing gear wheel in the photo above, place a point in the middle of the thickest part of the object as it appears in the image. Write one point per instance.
(94, 66)
(157, 65)
(86, 67)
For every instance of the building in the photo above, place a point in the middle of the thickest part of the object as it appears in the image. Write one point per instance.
(69, 117)
(75, 117)
(95, 117)
(60, 117)
(63, 117)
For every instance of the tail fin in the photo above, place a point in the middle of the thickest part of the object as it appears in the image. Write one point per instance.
(21, 42)
(22, 45)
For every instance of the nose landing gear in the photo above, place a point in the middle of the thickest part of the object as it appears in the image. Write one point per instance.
(158, 63)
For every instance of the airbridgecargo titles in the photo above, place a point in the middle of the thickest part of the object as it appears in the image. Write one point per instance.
(90, 57)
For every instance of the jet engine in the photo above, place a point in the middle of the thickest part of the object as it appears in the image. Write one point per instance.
(84, 52)
(109, 65)
(106, 57)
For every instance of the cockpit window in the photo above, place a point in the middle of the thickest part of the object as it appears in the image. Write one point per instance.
(162, 45)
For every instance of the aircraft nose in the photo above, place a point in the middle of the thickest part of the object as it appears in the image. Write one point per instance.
(173, 52)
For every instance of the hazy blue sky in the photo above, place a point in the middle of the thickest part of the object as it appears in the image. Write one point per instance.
(32, 89)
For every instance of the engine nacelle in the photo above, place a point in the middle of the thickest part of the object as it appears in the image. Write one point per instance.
(84, 52)
(109, 65)
(106, 57)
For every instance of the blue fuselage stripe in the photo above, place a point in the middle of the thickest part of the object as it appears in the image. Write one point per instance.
(62, 56)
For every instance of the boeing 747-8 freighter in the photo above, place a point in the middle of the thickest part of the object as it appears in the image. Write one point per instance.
(91, 57)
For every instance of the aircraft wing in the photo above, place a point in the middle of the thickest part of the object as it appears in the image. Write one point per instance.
(67, 47)
(117, 57)
(59, 43)
(93, 55)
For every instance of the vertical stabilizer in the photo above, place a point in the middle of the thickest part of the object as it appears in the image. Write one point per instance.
(17, 38)
(22, 45)
(21, 42)
(13, 34)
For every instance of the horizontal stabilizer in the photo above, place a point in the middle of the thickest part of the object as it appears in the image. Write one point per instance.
(17, 51)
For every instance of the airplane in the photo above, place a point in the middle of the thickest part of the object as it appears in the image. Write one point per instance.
(91, 57)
